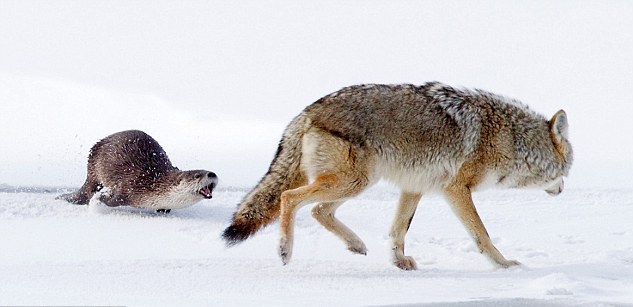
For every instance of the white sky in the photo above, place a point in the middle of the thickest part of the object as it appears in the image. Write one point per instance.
(216, 82)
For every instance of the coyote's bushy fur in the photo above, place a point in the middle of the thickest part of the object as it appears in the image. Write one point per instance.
(422, 138)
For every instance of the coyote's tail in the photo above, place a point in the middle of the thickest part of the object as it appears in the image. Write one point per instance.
(261, 206)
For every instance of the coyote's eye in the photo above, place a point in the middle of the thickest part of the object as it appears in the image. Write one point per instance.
(197, 176)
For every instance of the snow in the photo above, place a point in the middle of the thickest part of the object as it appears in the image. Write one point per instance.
(215, 83)
(576, 249)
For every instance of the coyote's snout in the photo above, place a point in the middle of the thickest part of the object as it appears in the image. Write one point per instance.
(429, 138)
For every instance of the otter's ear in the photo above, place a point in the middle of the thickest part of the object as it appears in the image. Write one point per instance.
(558, 126)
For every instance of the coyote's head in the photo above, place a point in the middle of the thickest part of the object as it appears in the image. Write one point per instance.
(544, 156)
(559, 133)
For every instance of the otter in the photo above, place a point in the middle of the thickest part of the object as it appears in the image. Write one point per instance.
(130, 168)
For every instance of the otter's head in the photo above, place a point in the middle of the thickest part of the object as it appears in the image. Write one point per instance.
(199, 182)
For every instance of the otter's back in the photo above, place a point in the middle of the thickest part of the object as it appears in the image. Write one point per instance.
(130, 154)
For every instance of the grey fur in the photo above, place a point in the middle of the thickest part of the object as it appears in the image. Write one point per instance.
(424, 138)
(261, 205)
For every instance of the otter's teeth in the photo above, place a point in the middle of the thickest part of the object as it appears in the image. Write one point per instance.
(206, 192)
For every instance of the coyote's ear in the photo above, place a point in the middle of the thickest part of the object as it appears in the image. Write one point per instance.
(558, 127)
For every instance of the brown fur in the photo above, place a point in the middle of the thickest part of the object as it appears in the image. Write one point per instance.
(138, 173)
(429, 138)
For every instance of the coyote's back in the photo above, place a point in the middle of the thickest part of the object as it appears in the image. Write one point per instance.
(422, 138)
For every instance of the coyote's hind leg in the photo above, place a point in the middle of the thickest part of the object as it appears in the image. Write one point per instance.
(324, 214)
(325, 188)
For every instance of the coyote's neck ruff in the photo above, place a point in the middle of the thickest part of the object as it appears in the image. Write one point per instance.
(422, 138)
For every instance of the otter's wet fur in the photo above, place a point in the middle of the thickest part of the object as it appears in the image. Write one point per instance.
(130, 168)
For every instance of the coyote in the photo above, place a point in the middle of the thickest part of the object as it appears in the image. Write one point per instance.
(428, 138)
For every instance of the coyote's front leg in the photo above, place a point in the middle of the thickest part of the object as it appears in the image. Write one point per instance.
(461, 201)
(401, 222)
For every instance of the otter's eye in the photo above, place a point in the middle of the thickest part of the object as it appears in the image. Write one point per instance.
(197, 176)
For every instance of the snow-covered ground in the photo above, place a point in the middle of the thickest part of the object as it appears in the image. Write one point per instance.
(215, 82)
(576, 249)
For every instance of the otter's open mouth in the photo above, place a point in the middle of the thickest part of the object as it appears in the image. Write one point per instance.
(206, 191)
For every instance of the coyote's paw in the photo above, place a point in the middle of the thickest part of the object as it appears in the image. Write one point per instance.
(508, 263)
(285, 250)
(357, 247)
(406, 263)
